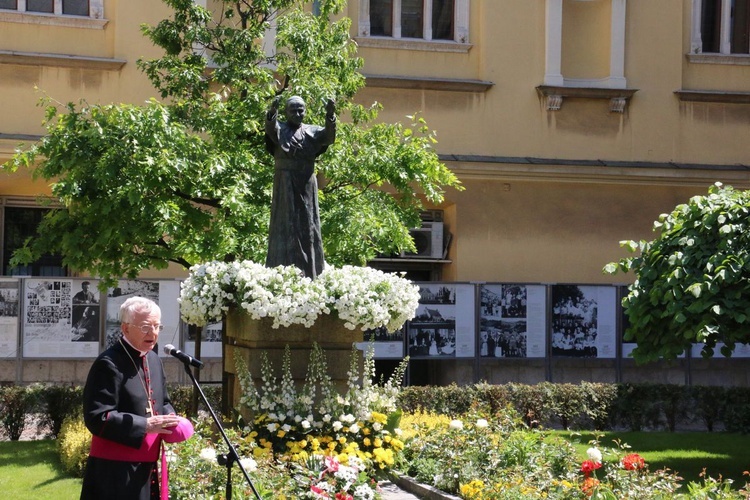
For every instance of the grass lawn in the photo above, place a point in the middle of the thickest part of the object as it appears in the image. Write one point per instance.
(687, 453)
(31, 469)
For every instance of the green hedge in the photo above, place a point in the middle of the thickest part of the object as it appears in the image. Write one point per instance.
(594, 406)
(583, 406)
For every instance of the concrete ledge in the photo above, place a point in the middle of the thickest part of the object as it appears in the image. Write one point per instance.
(423, 491)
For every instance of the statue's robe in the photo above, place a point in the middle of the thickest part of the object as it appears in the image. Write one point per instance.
(294, 233)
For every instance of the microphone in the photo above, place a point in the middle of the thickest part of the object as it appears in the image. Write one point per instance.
(185, 358)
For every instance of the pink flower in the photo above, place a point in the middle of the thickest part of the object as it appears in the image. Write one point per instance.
(320, 492)
(332, 465)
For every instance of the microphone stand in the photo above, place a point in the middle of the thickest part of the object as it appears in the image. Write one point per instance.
(230, 458)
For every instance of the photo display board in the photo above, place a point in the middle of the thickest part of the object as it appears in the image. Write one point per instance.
(512, 321)
(164, 293)
(9, 312)
(210, 340)
(584, 321)
(444, 324)
(740, 351)
(62, 318)
(387, 345)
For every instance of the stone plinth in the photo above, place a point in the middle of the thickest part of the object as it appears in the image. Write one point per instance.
(250, 339)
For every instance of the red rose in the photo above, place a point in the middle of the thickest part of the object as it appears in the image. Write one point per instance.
(633, 462)
(588, 466)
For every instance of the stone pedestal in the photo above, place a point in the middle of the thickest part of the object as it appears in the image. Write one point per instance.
(250, 338)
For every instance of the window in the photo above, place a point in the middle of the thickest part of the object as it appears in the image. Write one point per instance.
(724, 27)
(439, 20)
(20, 223)
(83, 8)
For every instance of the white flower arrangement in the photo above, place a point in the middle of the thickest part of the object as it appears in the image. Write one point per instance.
(361, 297)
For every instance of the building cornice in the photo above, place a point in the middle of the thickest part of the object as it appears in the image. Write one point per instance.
(60, 60)
(416, 83)
(595, 171)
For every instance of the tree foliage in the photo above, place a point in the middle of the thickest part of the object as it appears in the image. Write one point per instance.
(185, 178)
(693, 280)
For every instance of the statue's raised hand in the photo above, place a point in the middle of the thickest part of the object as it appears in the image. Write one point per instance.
(330, 108)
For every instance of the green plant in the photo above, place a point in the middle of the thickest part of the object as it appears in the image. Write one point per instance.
(15, 403)
(709, 404)
(599, 401)
(675, 403)
(73, 444)
(692, 280)
(638, 406)
(60, 401)
(181, 395)
(533, 402)
(292, 425)
(568, 403)
(736, 415)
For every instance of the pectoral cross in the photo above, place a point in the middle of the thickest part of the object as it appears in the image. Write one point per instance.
(150, 408)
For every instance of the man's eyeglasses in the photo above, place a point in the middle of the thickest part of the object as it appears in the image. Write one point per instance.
(148, 328)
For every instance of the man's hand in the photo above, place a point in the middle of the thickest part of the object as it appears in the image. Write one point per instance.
(161, 424)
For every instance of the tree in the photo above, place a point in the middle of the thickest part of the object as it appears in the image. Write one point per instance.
(693, 280)
(185, 178)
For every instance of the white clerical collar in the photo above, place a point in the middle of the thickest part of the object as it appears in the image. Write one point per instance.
(143, 353)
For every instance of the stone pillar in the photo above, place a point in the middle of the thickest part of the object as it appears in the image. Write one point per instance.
(251, 338)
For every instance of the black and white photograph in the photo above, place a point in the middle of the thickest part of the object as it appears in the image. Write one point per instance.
(210, 340)
(163, 292)
(9, 317)
(432, 332)
(387, 345)
(86, 295)
(511, 319)
(444, 324)
(437, 294)
(52, 325)
(583, 321)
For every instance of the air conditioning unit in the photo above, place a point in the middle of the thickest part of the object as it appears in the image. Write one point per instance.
(429, 241)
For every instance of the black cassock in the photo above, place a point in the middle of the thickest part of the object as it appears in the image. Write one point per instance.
(115, 407)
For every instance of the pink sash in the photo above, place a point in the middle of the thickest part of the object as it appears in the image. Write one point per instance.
(109, 450)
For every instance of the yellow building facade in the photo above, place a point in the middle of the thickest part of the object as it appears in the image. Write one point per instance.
(572, 124)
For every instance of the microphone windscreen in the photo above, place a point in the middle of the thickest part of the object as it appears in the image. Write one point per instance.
(168, 349)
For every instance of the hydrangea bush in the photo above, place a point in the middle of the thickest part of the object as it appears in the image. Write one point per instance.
(361, 297)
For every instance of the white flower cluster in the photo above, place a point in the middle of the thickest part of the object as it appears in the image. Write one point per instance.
(362, 297)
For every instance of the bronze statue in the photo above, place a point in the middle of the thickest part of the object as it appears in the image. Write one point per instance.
(294, 233)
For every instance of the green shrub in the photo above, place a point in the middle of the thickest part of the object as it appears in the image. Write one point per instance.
(15, 403)
(674, 401)
(599, 401)
(709, 403)
(637, 406)
(568, 404)
(181, 397)
(73, 444)
(532, 402)
(737, 410)
(60, 402)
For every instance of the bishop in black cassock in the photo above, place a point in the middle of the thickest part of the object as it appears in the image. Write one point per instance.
(124, 396)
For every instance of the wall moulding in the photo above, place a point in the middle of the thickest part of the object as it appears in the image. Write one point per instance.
(554, 95)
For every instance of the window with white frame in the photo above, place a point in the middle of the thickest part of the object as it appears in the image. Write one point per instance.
(430, 20)
(82, 8)
(721, 27)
